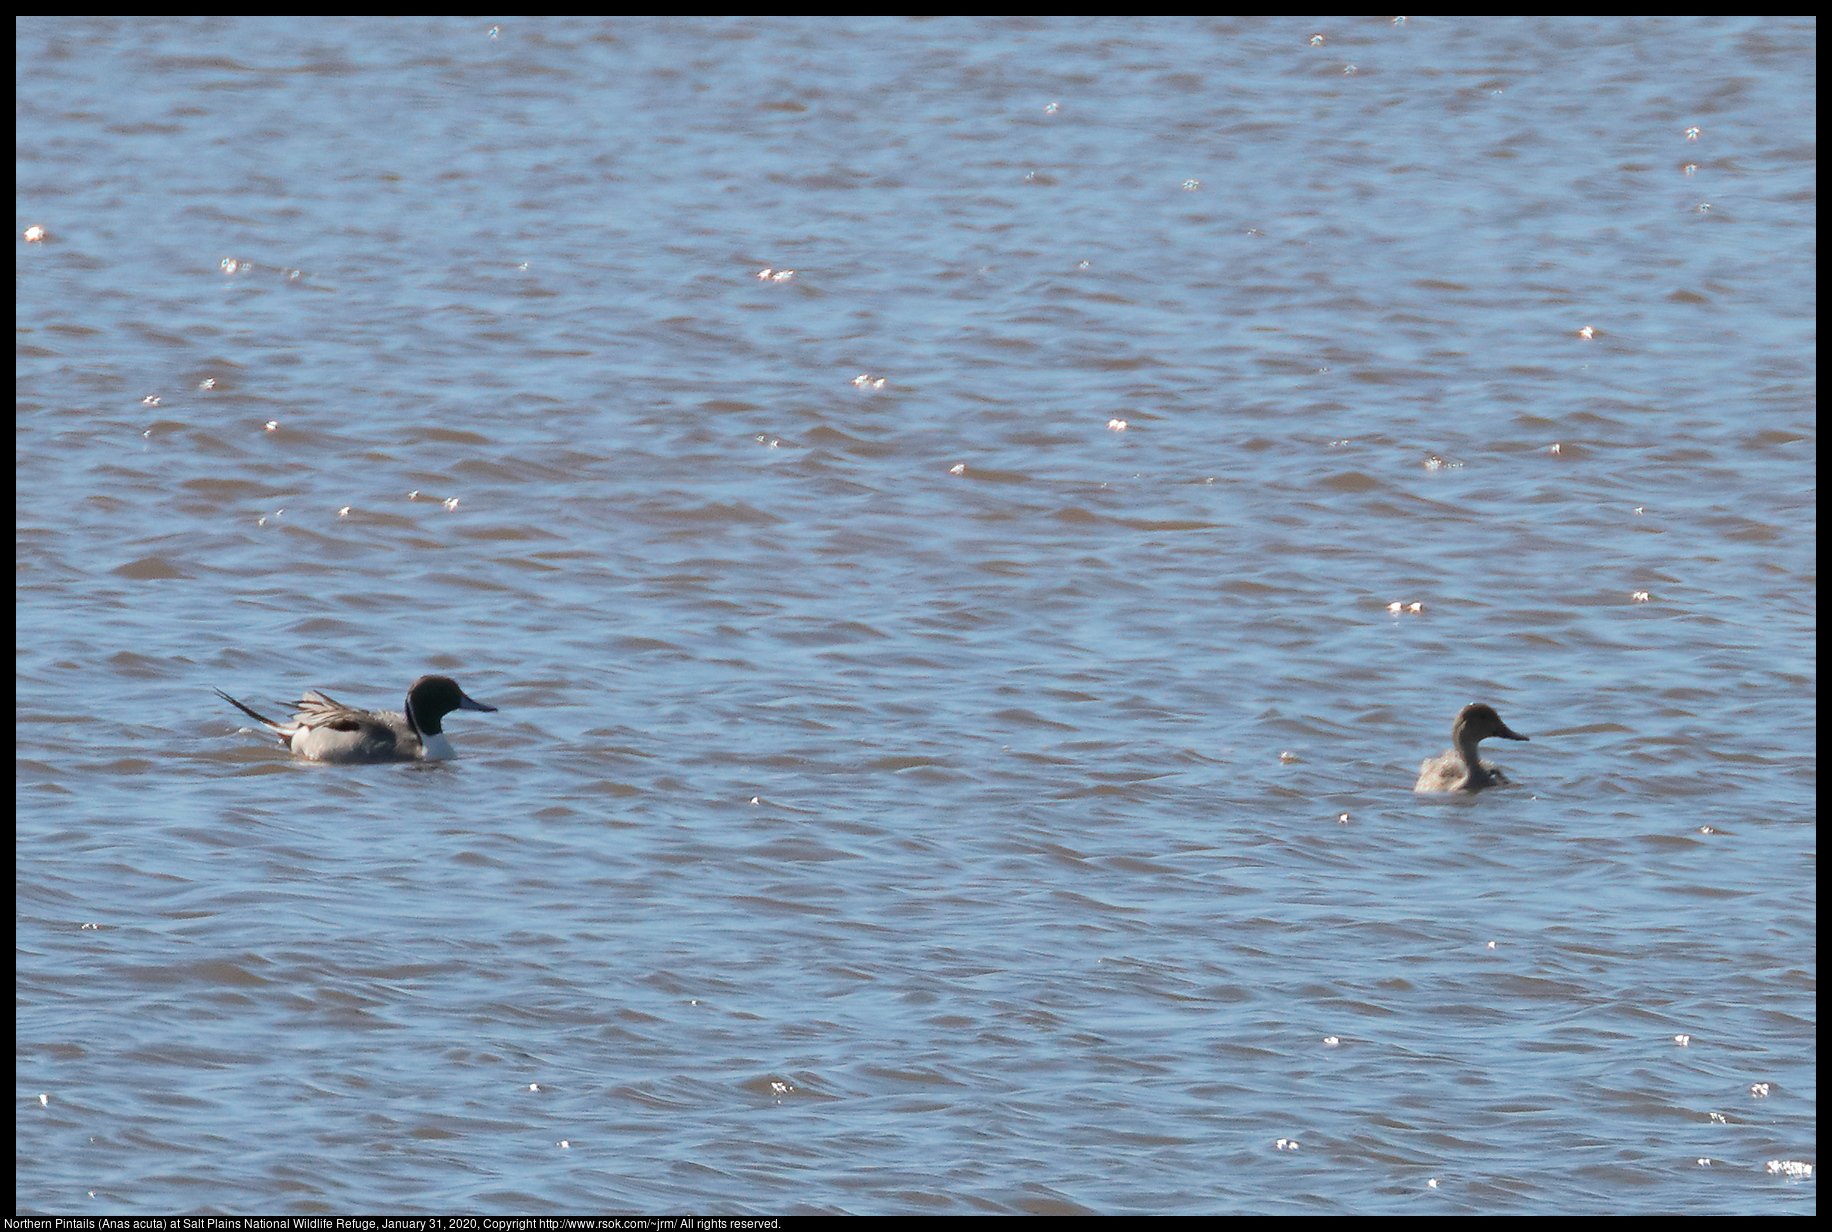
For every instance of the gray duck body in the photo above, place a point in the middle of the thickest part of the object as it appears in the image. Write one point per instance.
(324, 729)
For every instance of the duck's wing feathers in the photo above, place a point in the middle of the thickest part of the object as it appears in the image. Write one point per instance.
(321, 710)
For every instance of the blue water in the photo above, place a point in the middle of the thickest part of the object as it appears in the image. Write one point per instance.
(990, 792)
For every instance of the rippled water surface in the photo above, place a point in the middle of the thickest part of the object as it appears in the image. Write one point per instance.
(983, 786)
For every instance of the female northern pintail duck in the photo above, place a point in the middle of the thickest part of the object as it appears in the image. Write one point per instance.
(324, 729)
(1459, 769)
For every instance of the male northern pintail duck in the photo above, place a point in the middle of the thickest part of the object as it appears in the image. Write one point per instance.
(1459, 769)
(324, 729)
